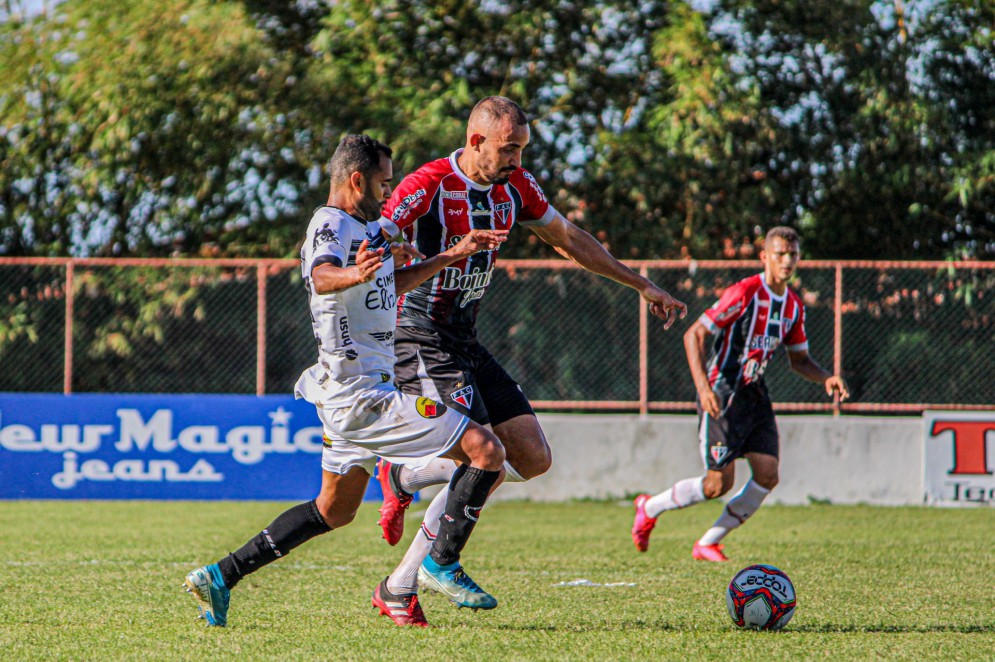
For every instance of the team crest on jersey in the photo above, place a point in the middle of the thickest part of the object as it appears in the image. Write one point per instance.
(407, 203)
(464, 396)
(429, 408)
(502, 211)
(718, 452)
(325, 235)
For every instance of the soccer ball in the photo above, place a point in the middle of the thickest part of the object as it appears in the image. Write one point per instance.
(761, 597)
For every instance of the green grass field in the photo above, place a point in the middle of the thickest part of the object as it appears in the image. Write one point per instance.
(101, 580)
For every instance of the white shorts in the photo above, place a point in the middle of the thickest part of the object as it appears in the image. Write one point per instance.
(384, 422)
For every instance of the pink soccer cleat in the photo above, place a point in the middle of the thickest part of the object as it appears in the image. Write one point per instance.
(395, 502)
(711, 553)
(402, 609)
(643, 524)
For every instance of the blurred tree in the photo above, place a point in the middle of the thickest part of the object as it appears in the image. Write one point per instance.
(884, 115)
(148, 128)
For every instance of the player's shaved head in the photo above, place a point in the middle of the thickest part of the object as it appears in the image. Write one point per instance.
(491, 112)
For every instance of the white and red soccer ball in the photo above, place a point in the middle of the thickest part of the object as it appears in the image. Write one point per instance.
(761, 597)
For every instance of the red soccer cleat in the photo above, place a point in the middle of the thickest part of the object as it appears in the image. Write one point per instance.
(709, 553)
(402, 609)
(643, 525)
(395, 502)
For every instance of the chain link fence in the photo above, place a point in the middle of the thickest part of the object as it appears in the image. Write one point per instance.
(907, 336)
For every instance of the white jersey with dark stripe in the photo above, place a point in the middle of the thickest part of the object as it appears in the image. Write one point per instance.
(750, 323)
(437, 205)
(355, 327)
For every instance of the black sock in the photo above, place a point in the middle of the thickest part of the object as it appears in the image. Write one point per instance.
(288, 530)
(468, 492)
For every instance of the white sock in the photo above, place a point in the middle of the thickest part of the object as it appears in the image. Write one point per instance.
(510, 475)
(404, 579)
(436, 472)
(737, 511)
(683, 494)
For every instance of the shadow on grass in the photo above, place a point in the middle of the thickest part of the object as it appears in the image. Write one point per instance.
(592, 627)
(829, 628)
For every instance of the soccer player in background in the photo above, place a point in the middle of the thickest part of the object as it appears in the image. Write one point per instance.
(481, 185)
(749, 321)
(352, 289)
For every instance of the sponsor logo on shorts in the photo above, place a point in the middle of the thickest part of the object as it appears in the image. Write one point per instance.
(429, 408)
(718, 452)
(464, 396)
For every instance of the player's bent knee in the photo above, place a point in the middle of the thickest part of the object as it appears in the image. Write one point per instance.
(336, 518)
(535, 463)
(483, 448)
(766, 482)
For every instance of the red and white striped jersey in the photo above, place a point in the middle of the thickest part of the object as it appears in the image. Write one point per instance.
(750, 323)
(436, 206)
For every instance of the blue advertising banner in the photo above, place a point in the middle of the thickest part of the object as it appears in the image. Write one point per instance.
(123, 446)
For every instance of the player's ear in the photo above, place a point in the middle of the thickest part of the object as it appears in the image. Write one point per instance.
(476, 139)
(356, 181)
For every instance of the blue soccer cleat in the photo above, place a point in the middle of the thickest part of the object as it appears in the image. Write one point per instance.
(212, 596)
(452, 582)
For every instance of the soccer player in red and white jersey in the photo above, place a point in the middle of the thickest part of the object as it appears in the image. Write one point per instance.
(483, 186)
(749, 322)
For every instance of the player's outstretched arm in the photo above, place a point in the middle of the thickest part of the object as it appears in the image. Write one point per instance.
(328, 278)
(410, 277)
(806, 366)
(580, 247)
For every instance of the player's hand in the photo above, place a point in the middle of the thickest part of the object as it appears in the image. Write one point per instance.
(710, 402)
(664, 306)
(835, 384)
(403, 252)
(367, 262)
(477, 240)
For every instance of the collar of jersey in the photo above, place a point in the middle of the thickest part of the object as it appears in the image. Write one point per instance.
(763, 281)
(459, 173)
(358, 219)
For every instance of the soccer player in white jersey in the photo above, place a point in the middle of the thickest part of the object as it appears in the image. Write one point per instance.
(352, 291)
(750, 321)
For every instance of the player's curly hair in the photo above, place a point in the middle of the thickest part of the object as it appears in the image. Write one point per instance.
(356, 153)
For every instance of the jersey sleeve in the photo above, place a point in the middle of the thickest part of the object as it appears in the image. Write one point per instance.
(327, 241)
(536, 210)
(409, 202)
(796, 339)
(727, 309)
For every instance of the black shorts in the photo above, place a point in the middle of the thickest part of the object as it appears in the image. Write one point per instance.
(459, 373)
(746, 426)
